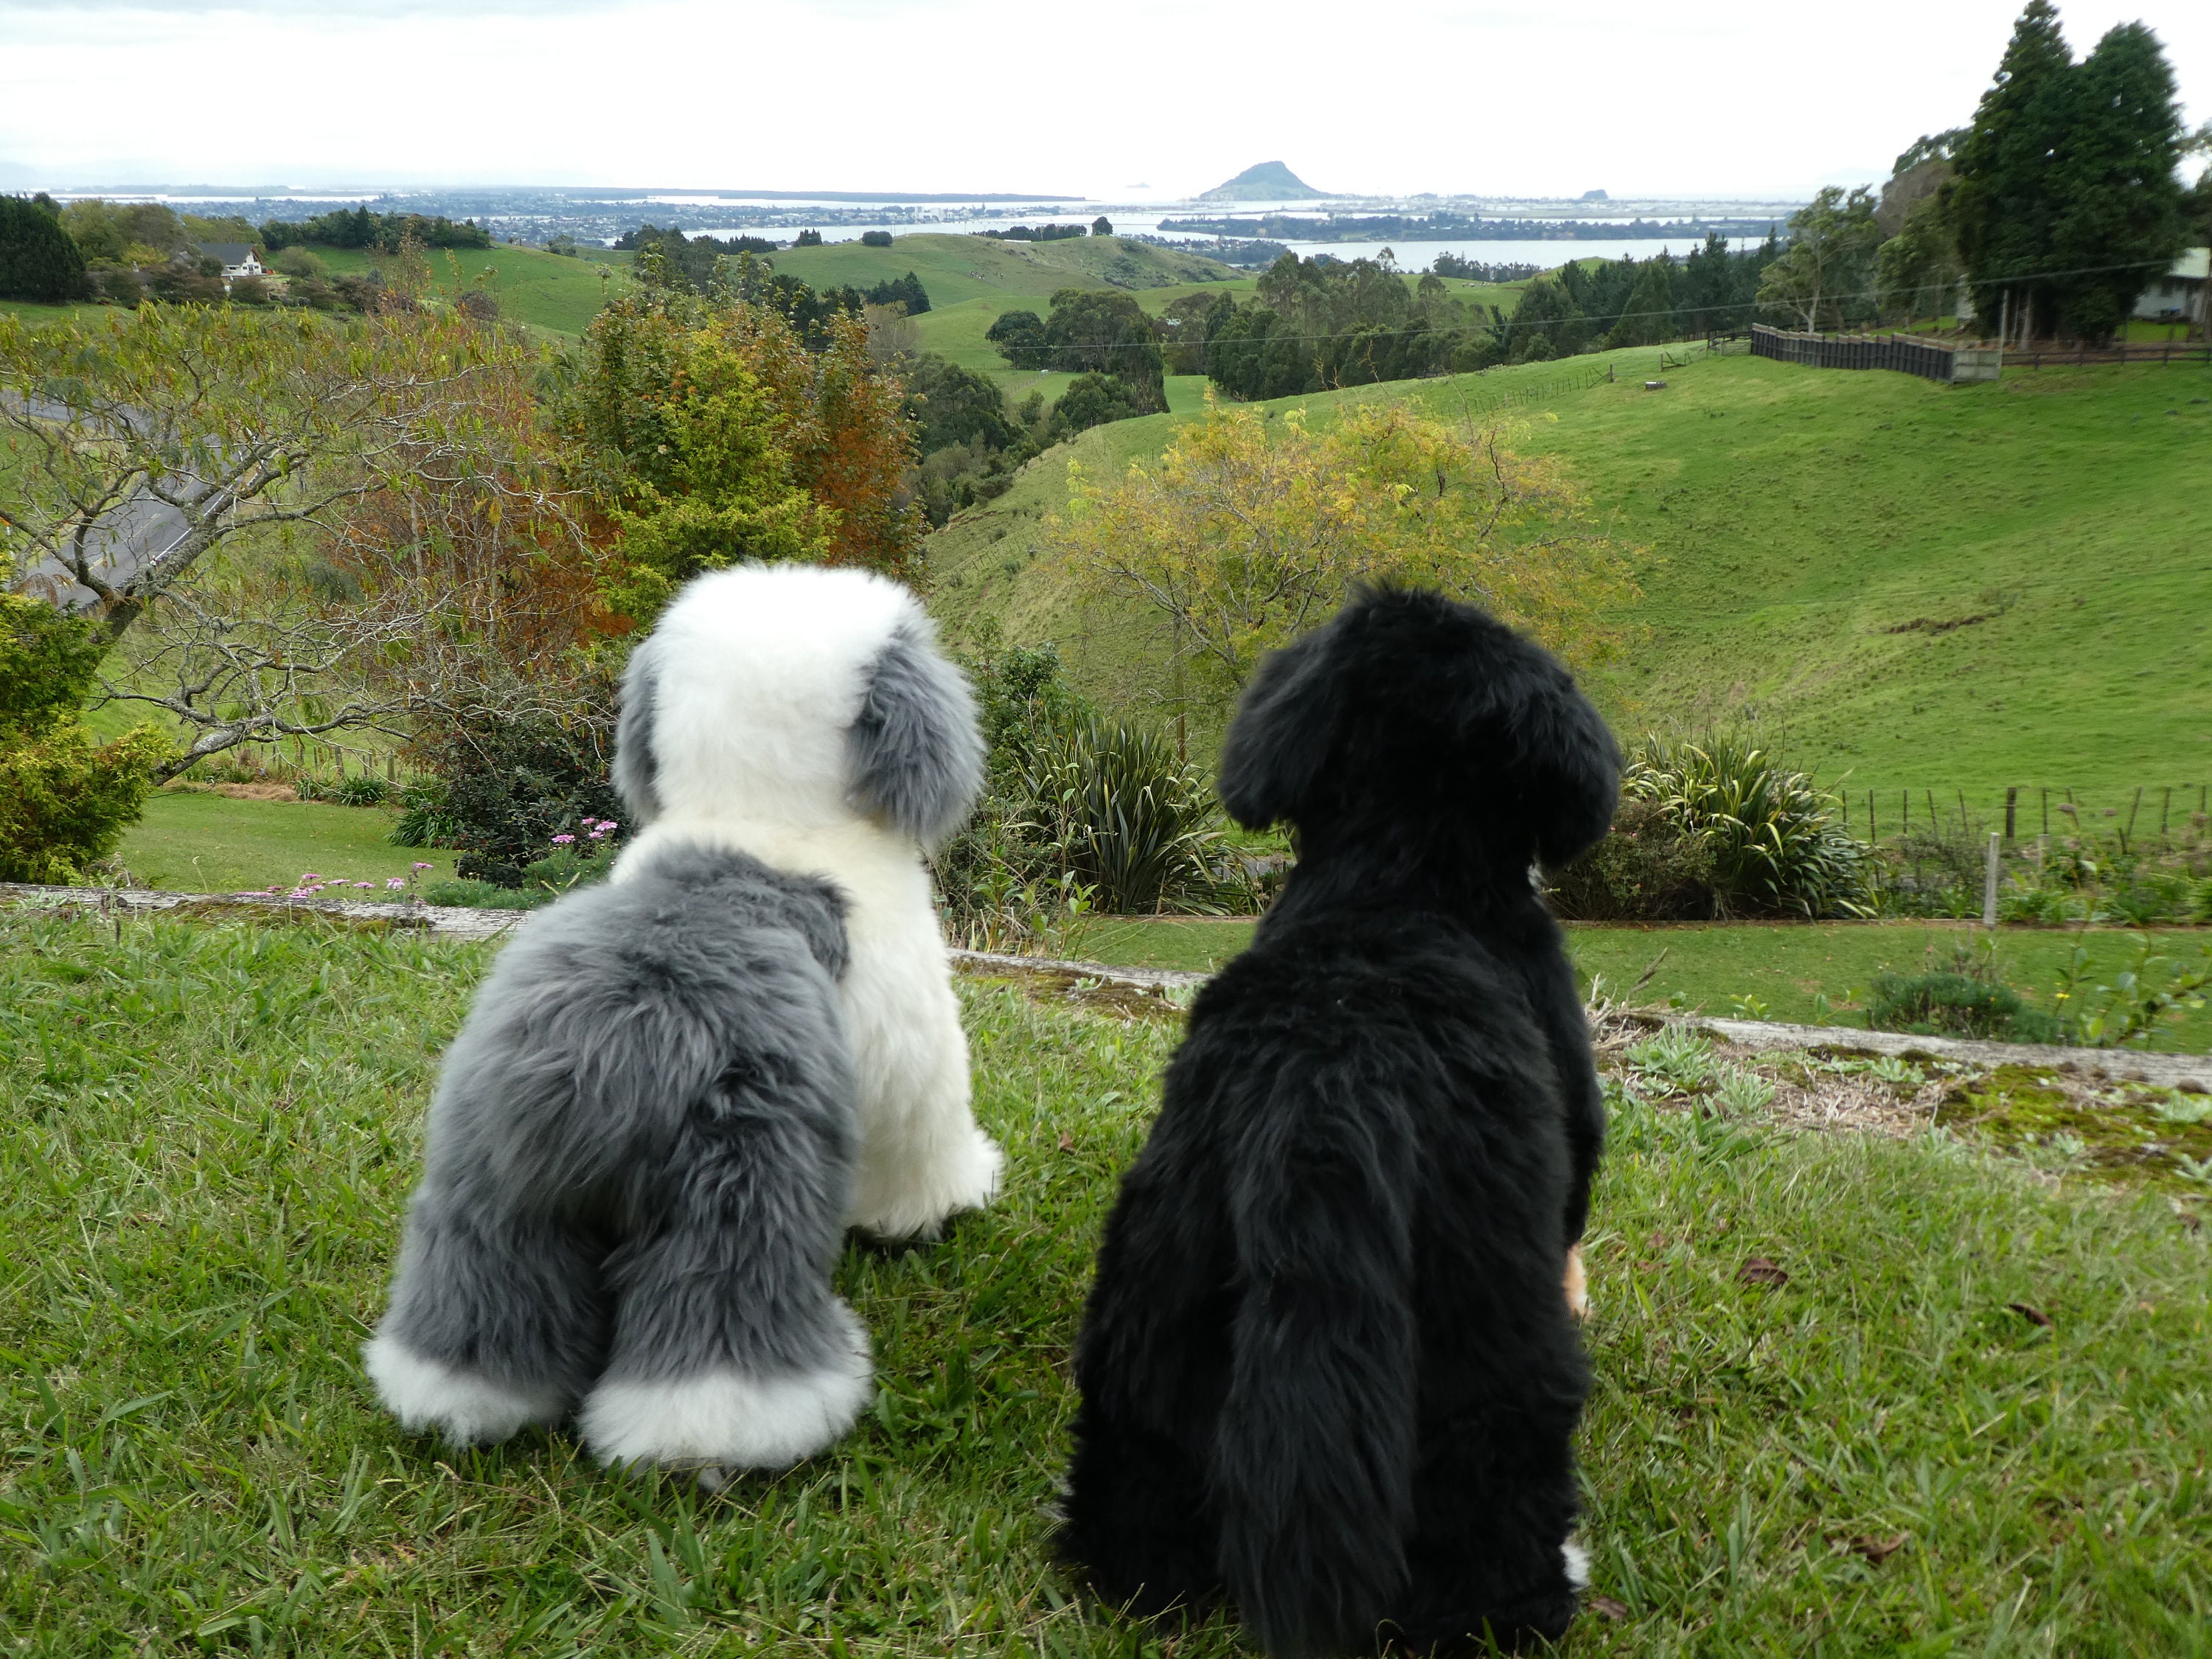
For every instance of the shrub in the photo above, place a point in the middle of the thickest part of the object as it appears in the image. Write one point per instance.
(1776, 848)
(360, 789)
(1958, 1004)
(875, 239)
(64, 798)
(1649, 868)
(1127, 818)
(504, 785)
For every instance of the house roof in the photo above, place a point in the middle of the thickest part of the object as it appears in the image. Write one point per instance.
(2193, 262)
(231, 253)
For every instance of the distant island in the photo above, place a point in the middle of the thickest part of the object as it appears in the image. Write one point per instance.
(1270, 181)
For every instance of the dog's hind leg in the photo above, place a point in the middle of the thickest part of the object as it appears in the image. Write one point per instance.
(498, 1319)
(730, 1350)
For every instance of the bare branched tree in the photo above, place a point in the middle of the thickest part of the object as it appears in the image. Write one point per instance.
(143, 443)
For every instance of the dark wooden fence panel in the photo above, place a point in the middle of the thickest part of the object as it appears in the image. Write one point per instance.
(1903, 353)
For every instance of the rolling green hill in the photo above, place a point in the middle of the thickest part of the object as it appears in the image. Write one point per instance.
(552, 291)
(1937, 587)
(955, 269)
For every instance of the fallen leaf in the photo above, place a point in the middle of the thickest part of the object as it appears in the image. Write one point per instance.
(1606, 1607)
(1067, 1141)
(1760, 1271)
(2033, 1315)
(1878, 1550)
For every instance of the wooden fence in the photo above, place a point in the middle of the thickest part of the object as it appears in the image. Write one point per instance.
(2120, 351)
(2145, 813)
(1905, 353)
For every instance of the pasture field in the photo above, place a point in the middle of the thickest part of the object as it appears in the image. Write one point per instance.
(551, 291)
(214, 1128)
(1925, 586)
(1806, 972)
(955, 269)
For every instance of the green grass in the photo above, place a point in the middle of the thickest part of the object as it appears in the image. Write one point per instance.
(1789, 968)
(206, 843)
(545, 290)
(1928, 586)
(954, 269)
(214, 1129)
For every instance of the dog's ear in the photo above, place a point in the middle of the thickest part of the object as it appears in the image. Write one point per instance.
(915, 753)
(637, 770)
(1273, 758)
(1568, 765)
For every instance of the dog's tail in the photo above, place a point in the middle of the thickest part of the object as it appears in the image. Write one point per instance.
(1314, 1454)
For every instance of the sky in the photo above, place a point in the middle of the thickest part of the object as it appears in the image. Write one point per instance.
(1146, 100)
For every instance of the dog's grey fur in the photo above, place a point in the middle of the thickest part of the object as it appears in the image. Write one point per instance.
(641, 1150)
(916, 755)
(636, 770)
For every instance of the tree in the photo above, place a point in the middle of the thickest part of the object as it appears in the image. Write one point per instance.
(1101, 225)
(1248, 531)
(713, 434)
(1918, 268)
(64, 798)
(1106, 332)
(212, 424)
(1546, 323)
(807, 238)
(1649, 315)
(2005, 200)
(1019, 336)
(1090, 400)
(38, 260)
(2121, 219)
(1825, 278)
(875, 239)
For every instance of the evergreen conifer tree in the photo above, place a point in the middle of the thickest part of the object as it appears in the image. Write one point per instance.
(2007, 198)
(2120, 222)
(38, 260)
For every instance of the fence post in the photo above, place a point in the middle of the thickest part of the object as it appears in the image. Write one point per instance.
(2012, 798)
(1989, 884)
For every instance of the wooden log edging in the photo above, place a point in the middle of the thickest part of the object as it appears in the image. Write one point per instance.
(2191, 1072)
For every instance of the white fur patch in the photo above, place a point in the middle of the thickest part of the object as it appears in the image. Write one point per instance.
(1578, 1560)
(468, 1408)
(762, 672)
(725, 1420)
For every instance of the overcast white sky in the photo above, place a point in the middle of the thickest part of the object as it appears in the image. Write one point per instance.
(1141, 99)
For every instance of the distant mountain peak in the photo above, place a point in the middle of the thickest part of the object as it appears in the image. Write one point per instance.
(1270, 181)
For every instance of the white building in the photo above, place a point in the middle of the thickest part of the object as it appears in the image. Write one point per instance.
(239, 258)
(2177, 296)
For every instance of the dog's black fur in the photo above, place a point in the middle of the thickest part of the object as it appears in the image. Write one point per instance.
(1328, 1370)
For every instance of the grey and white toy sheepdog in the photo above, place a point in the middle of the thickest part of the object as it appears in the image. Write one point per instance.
(676, 1090)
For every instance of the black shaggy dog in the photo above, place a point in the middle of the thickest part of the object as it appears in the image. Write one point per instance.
(1327, 1369)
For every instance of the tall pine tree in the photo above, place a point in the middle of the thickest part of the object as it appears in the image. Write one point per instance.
(2006, 199)
(38, 260)
(2120, 222)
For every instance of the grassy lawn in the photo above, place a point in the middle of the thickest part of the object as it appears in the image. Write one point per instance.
(207, 843)
(1929, 587)
(215, 1129)
(1788, 968)
(954, 269)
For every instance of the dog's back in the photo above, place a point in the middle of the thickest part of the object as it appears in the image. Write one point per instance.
(1329, 1370)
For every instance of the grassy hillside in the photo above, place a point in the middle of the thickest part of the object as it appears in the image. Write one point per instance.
(1934, 586)
(955, 269)
(545, 290)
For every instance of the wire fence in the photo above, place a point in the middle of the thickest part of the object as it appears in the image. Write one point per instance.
(2133, 817)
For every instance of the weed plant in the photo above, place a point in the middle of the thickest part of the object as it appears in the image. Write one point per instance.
(2083, 877)
(1872, 1449)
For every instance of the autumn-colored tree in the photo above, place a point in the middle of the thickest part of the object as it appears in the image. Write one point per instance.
(1248, 531)
(712, 434)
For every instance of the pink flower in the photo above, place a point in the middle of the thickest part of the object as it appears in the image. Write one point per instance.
(395, 884)
(366, 886)
(419, 866)
(563, 841)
